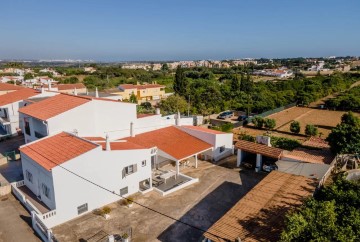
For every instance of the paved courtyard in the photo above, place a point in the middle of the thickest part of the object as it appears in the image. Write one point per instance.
(15, 221)
(200, 205)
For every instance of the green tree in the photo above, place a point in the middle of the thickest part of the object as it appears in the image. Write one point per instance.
(258, 122)
(295, 127)
(345, 137)
(133, 98)
(180, 82)
(28, 76)
(269, 123)
(311, 130)
(172, 104)
(165, 67)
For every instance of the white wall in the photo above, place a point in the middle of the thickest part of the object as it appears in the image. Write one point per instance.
(103, 168)
(40, 175)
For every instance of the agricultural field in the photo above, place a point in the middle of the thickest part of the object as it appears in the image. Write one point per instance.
(325, 120)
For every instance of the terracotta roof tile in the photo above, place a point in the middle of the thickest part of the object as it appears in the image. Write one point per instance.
(323, 156)
(172, 141)
(9, 87)
(252, 147)
(53, 106)
(145, 86)
(17, 96)
(55, 150)
(259, 215)
(120, 145)
(198, 128)
(62, 87)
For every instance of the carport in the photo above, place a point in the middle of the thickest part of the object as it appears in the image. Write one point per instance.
(245, 147)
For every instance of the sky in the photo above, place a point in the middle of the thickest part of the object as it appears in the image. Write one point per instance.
(118, 30)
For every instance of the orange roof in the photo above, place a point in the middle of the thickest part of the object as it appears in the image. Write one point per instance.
(16, 96)
(172, 141)
(52, 151)
(121, 145)
(323, 156)
(198, 128)
(131, 86)
(144, 115)
(53, 106)
(264, 150)
(93, 138)
(9, 87)
(259, 215)
(62, 87)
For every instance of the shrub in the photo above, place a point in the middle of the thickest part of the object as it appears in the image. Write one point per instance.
(295, 127)
(284, 143)
(269, 123)
(311, 130)
(258, 122)
(246, 137)
(125, 236)
(227, 127)
(106, 210)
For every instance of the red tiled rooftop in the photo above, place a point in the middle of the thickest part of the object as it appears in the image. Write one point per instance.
(172, 141)
(259, 215)
(120, 145)
(264, 150)
(53, 106)
(131, 86)
(16, 96)
(94, 138)
(198, 128)
(55, 150)
(62, 87)
(144, 115)
(9, 87)
(323, 156)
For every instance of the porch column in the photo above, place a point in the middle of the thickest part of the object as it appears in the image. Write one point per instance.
(177, 167)
(258, 162)
(196, 161)
(239, 157)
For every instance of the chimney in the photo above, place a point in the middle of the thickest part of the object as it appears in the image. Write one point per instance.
(75, 91)
(87, 92)
(49, 85)
(42, 89)
(157, 111)
(177, 120)
(132, 133)
(96, 93)
(107, 147)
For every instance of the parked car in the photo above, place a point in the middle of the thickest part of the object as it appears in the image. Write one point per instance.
(226, 114)
(242, 118)
(269, 167)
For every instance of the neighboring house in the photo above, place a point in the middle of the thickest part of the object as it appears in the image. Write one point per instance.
(6, 79)
(89, 69)
(70, 88)
(9, 106)
(6, 88)
(46, 80)
(143, 93)
(59, 195)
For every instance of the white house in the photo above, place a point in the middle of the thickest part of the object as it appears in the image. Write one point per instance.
(57, 170)
(6, 79)
(86, 116)
(9, 109)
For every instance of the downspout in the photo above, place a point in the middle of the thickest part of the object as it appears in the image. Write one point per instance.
(47, 127)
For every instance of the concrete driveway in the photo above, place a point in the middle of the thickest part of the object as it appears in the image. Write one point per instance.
(15, 221)
(200, 204)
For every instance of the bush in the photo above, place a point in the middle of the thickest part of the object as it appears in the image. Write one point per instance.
(258, 122)
(311, 130)
(295, 127)
(106, 210)
(228, 127)
(284, 143)
(246, 137)
(269, 123)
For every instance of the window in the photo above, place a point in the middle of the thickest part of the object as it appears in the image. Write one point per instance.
(129, 170)
(143, 163)
(27, 127)
(222, 148)
(124, 191)
(45, 190)
(29, 176)
(82, 208)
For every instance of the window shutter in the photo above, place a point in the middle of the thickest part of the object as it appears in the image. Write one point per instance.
(135, 168)
(123, 173)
